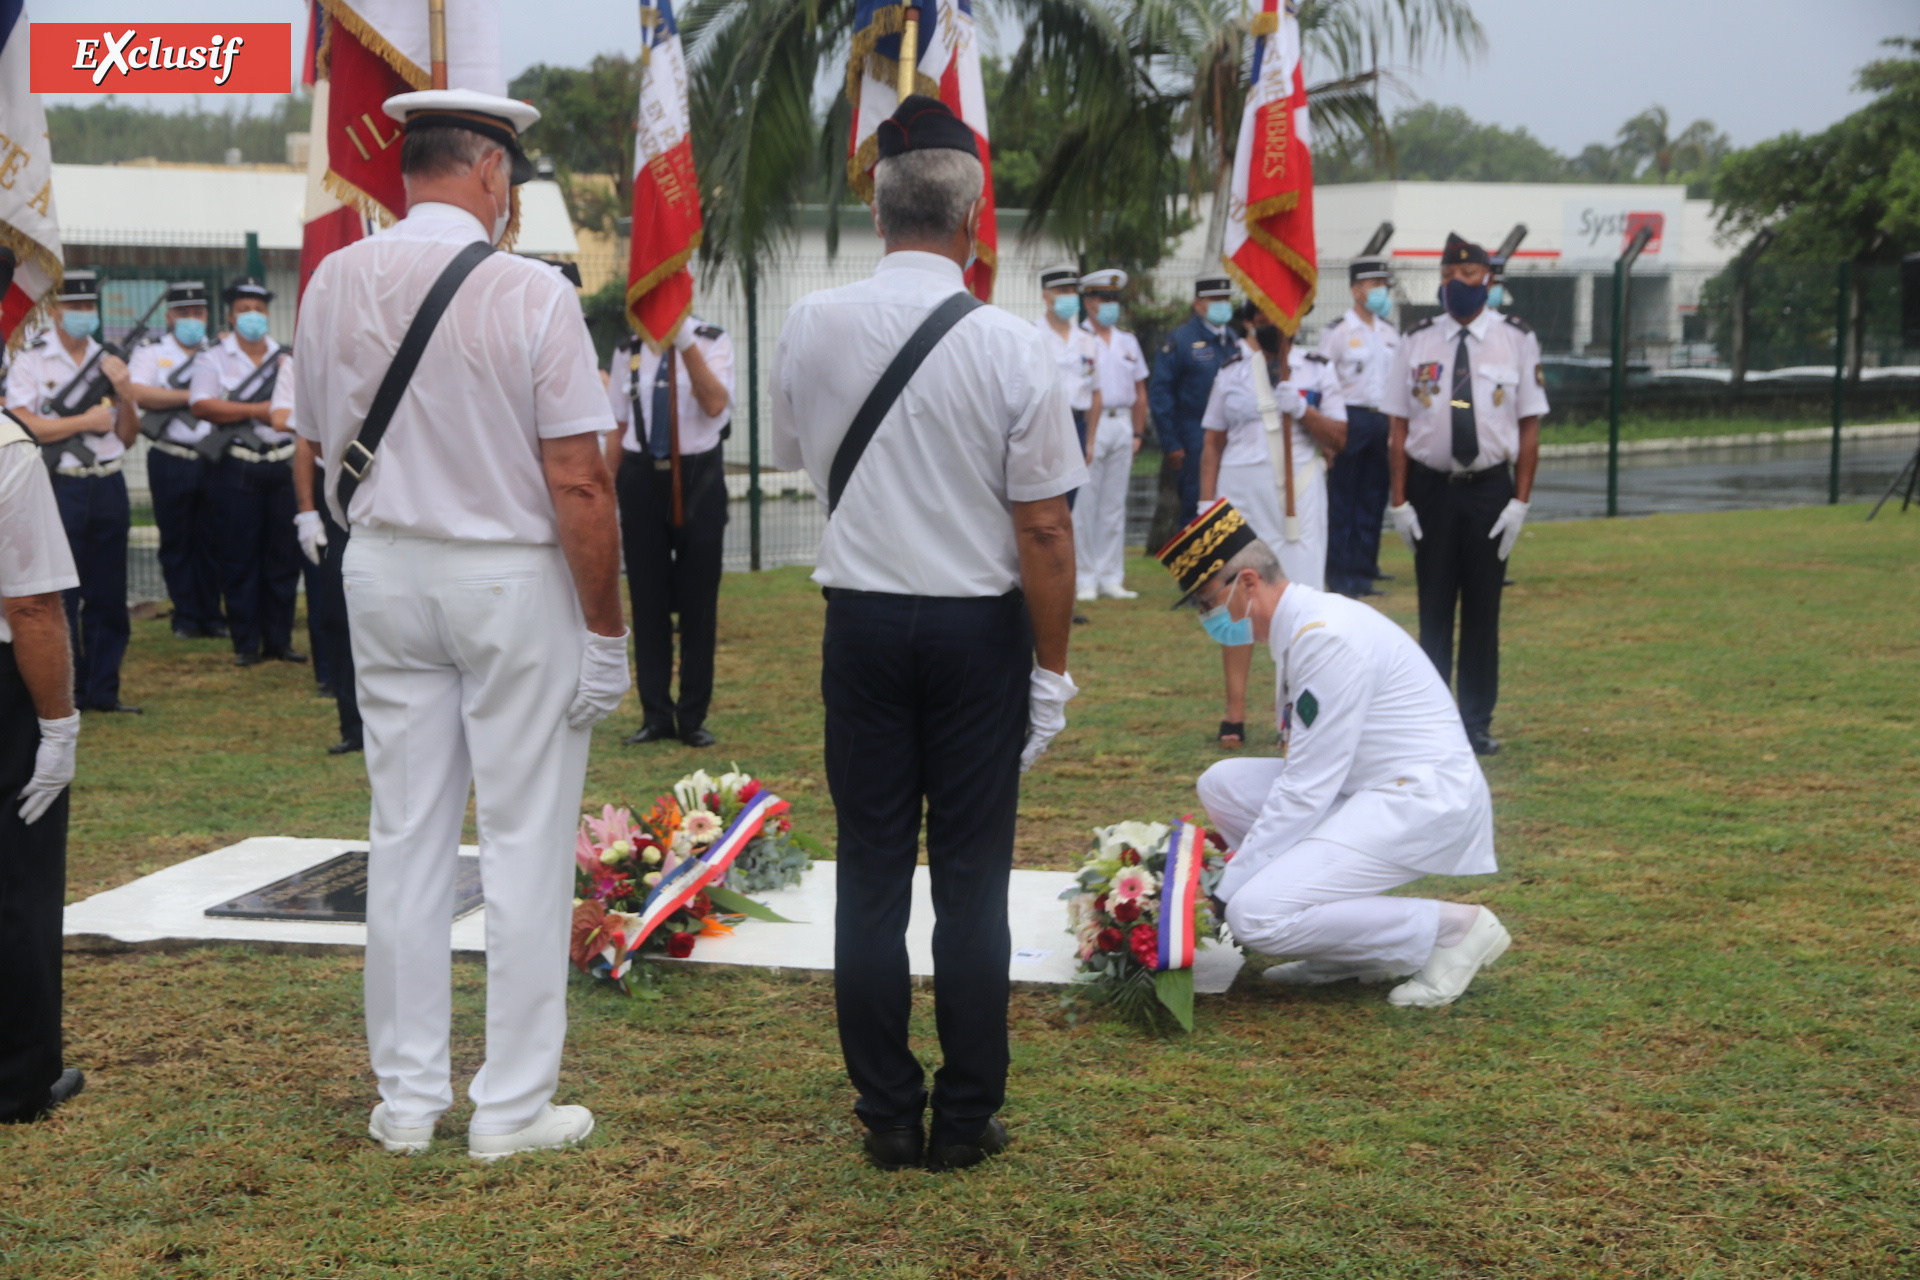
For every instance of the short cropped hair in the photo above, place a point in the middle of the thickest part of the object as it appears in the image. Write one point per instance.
(442, 152)
(925, 195)
(1257, 556)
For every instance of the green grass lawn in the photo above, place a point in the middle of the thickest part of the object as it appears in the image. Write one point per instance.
(1699, 1060)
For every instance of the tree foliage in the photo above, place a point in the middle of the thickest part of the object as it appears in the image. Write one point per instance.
(586, 126)
(110, 132)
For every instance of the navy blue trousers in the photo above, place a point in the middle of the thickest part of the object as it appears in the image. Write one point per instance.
(33, 884)
(183, 511)
(1356, 503)
(94, 511)
(1190, 484)
(926, 702)
(258, 553)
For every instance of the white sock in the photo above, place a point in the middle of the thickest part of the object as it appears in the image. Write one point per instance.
(1455, 919)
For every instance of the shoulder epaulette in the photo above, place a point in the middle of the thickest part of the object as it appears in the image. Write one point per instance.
(1424, 324)
(40, 341)
(1316, 357)
(1520, 324)
(708, 331)
(1234, 356)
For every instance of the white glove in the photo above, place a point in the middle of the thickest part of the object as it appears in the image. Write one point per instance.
(312, 534)
(683, 337)
(603, 679)
(1507, 527)
(52, 767)
(1407, 521)
(1289, 401)
(1047, 699)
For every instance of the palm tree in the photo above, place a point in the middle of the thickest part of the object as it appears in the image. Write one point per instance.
(1645, 138)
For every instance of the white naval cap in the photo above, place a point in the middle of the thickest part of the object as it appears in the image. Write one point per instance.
(1106, 280)
(489, 115)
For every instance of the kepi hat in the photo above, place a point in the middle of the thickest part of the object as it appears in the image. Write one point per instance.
(1367, 269)
(245, 287)
(502, 120)
(187, 293)
(79, 286)
(1459, 251)
(1059, 277)
(922, 123)
(1202, 549)
(1213, 287)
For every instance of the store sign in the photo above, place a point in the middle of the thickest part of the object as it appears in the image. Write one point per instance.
(1597, 231)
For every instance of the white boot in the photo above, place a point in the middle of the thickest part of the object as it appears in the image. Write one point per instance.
(1449, 969)
(1115, 591)
(1086, 593)
(399, 1141)
(1318, 973)
(553, 1127)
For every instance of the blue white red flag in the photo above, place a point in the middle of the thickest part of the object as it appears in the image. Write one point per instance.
(666, 191)
(1269, 249)
(948, 68)
(1180, 893)
(28, 224)
(678, 887)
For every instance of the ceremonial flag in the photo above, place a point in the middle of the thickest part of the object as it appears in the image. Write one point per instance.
(948, 68)
(1180, 894)
(328, 224)
(666, 194)
(28, 224)
(1269, 248)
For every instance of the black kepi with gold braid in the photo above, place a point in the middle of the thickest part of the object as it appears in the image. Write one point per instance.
(1202, 549)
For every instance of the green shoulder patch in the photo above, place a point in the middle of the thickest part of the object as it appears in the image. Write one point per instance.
(1308, 706)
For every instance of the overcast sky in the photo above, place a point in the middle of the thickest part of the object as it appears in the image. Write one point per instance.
(1569, 71)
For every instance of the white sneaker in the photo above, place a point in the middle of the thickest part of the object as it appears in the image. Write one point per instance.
(1118, 592)
(554, 1127)
(1086, 593)
(399, 1141)
(1318, 973)
(1449, 969)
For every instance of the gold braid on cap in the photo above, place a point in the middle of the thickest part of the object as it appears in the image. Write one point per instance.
(1205, 542)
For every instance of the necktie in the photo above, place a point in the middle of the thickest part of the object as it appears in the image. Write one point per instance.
(658, 441)
(1466, 438)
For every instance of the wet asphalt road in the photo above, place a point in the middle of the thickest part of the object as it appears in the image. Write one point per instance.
(1740, 478)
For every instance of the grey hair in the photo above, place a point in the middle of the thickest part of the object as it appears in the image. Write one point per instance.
(443, 152)
(1257, 556)
(925, 195)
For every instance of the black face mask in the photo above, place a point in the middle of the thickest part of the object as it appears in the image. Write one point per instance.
(1268, 336)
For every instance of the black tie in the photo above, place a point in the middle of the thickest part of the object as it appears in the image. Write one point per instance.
(659, 441)
(1466, 439)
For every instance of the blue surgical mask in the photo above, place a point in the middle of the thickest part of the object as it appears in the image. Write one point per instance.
(1108, 314)
(80, 324)
(1218, 313)
(1463, 301)
(1067, 306)
(189, 332)
(1379, 301)
(251, 325)
(1496, 295)
(1224, 627)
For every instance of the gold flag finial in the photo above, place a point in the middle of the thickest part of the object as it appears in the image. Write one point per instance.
(909, 49)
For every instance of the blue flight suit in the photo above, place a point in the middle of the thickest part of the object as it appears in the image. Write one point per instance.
(1190, 357)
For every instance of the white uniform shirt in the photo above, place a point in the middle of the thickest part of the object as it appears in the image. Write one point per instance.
(1508, 385)
(982, 424)
(1366, 719)
(1122, 368)
(1078, 357)
(283, 398)
(510, 364)
(44, 367)
(34, 555)
(1233, 405)
(698, 432)
(223, 368)
(1362, 356)
(153, 364)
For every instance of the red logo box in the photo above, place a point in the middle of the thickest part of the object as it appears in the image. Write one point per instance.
(162, 57)
(1653, 222)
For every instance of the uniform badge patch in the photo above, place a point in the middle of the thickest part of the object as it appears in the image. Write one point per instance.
(1308, 706)
(1540, 375)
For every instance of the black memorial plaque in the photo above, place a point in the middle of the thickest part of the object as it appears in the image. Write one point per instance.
(335, 890)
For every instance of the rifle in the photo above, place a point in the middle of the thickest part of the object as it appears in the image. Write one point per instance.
(258, 386)
(88, 388)
(154, 425)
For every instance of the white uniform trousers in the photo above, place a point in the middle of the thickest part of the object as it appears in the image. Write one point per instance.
(1250, 488)
(466, 656)
(1100, 512)
(1319, 900)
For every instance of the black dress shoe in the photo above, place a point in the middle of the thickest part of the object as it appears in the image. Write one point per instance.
(1081, 620)
(1483, 744)
(285, 655)
(116, 706)
(216, 631)
(963, 1155)
(697, 737)
(189, 633)
(247, 659)
(649, 733)
(895, 1149)
(323, 691)
(1369, 591)
(1383, 577)
(344, 748)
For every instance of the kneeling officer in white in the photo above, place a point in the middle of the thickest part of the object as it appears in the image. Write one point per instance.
(1375, 788)
(483, 596)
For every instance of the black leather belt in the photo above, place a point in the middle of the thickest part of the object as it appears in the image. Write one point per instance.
(1465, 477)
(849, 593)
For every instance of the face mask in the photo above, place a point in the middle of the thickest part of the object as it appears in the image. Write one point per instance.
(1268, 337)
(1224, 627)
(500, 221)
(1463, 301)
(1067, 306)
(1380, 302)
(1218, 313)
(1496, 295)
(80, 324)
(1109, 314)
(251, 325)
(189, 333)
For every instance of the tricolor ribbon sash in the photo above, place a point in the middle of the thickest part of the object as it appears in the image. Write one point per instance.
(678, 887)
(1180, 893)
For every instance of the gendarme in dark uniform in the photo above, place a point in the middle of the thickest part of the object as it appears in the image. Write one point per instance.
(1182, 380)
(1360, 346)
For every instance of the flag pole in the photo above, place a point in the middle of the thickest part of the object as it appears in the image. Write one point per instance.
(673, 433)
(909, 50)
(437, 40)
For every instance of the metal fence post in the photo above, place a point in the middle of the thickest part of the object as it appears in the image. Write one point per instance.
(255, 266)
(753, 418)
(1618, 390)
(1839, 380)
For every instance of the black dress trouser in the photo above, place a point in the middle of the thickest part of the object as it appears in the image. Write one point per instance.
(926, 702)
(259, 553)
(182, 490)
(673, 571)
(94, 511)
(1455, 562)
(33, 887)
(327, 613)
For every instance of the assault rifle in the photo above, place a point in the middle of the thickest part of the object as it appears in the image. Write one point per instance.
(88, 388)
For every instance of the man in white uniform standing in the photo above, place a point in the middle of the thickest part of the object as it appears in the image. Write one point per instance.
(1100, 520)
(482, 588)
(1074, 351)
(1375, 786)
(1360, 346)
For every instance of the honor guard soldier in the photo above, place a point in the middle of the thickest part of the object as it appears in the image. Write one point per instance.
(85, 447)
(939, 429)
(671, 479)
(1360, 346)
(1374, 787)
(1100, 519)
(1465, 400)
(179, 477)
(1190, 358)
(236, 387)
(453, 391)
(39, 730)
(1073, 348)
